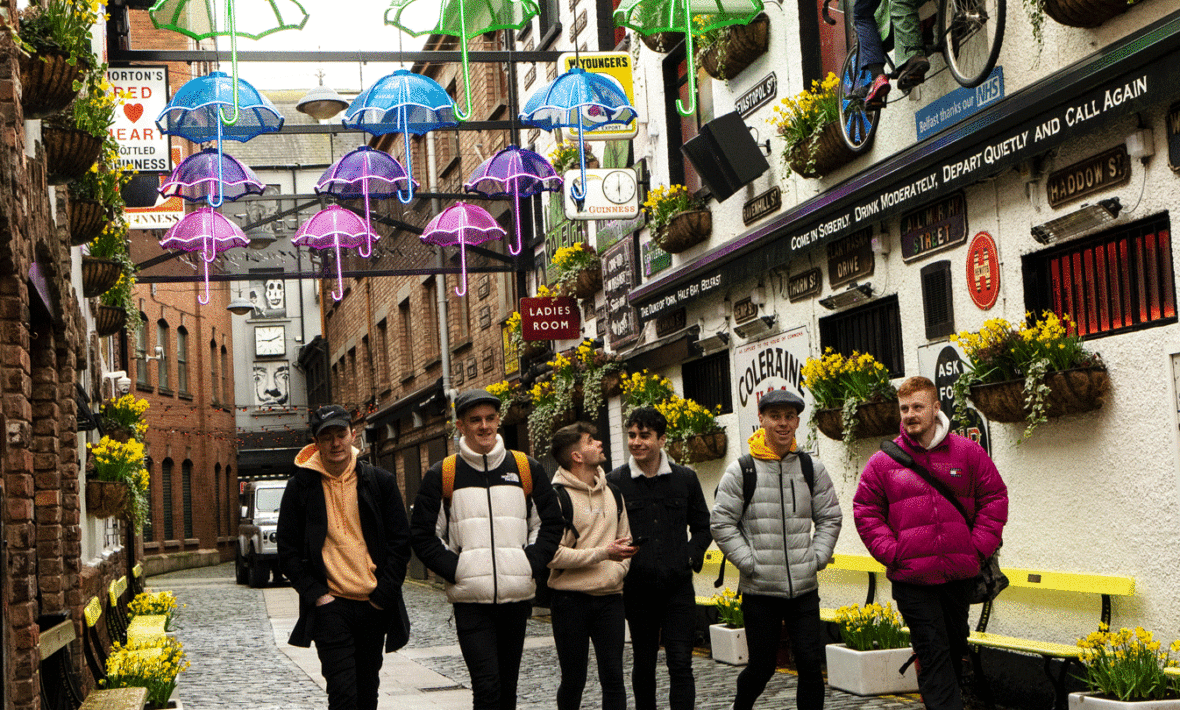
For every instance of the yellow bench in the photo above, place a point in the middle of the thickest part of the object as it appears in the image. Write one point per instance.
(846, 563)
(117, 618)
(146, 627)
(116, 699)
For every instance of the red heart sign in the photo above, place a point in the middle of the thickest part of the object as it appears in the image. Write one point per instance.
(133, 111)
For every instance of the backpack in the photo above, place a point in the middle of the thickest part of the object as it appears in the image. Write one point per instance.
(750, 482)
(451, 462)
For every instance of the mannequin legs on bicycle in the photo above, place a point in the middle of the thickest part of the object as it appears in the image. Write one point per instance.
(911, 62)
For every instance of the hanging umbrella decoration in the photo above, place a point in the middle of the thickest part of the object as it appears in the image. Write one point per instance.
(336, 228)
(514, 172)
(200, 20)
(692, 17)
(581, 100)
(405, 103)
(462, 225)
(365, 173)
(212, 177)
(208, 232)
(464, 19)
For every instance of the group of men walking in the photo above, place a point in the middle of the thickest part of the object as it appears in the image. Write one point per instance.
(622, 547)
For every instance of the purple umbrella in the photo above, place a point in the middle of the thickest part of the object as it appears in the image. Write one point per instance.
(516, 172)
(334, 227)
(213, 177)
(366, 173)
(462, 224)
(206, 231)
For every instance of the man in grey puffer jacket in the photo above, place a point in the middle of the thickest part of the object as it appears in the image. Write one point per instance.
(771, 543)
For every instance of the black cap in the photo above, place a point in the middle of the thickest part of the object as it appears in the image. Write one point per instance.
(327, 416)
(470, 398)
(780, 398)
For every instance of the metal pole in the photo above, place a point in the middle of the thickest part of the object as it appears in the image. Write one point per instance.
(440, 286)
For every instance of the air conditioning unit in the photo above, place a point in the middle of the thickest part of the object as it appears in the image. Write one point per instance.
(757, 327)
(854, 296)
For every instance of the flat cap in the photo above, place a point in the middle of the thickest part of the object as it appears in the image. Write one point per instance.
(329, 415)
(470, 398)
(780, 398)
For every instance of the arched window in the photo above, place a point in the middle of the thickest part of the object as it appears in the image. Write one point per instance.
(217, 495)
(231, 498)
(182, 360)
(141, 343)
(148, 531)
(166, 491)
(227, 394)
(186, 496)
(215, 381)
(162, 338)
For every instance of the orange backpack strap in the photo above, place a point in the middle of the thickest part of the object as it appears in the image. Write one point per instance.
(526, 473)
(448, 476)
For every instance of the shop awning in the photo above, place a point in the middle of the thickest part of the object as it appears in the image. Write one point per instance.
(426, 396)
(672, 349)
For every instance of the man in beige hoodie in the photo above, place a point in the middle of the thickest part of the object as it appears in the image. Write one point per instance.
(588, 570)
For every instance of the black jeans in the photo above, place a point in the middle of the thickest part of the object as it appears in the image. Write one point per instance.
(491, 637)
(654, 613)
(579, 619)
(937, 617)
(349, 639)
(766, 617)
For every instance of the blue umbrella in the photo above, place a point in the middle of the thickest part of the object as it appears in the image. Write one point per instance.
(582, 100)
(402, 102)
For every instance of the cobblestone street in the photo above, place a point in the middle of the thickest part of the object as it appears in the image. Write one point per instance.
(235, 638)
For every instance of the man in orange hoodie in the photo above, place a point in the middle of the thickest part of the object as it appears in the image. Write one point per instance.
(344, 542)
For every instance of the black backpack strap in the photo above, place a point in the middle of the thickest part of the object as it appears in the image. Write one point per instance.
(567, 507)
(618, 494)
(749, 485)
(808, 470)
(900, 455)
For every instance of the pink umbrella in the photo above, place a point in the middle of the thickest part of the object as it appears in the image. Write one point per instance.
(462, 224)
(206, 231)
(333, 228)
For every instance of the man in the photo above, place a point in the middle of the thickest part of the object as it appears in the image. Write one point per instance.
(344, 542)
(588, 570)
(769, 538)
(486, 521)
(665, 506)
(912, 64)
(930, 552)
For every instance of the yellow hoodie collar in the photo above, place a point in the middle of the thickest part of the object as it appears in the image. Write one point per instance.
(309, 457)
(760, 450)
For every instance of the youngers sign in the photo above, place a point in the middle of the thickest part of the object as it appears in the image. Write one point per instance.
(771, 363)
(554, 318)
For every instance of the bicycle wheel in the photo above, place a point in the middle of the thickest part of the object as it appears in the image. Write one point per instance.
(857, 126)
(971, 32)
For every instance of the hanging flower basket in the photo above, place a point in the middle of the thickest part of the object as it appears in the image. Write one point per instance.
(588, 283)
(829, 150)
(1070, 392)
(685, 230)
(662, 42)
(533, 349)
(47, 83)
(69, 153)
(518, 412)
(87, 218)
(706, 447)
(108, 320)
(117, 433)
(99, 275)
(106, 499)
(872, 419)
(744, 44)
(612, 385)
(1084, 13)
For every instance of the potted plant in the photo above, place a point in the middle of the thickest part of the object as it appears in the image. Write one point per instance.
(723, 52)
(727, 638)
(1039, 371)
(875, 647)
(565, 157)
(153, 664)
(514, 403)
(54, 39)
(809, 122)
(601, 376)
(1075, 13)
(122, 418)
(119, 482)
(554, 401)
(527, 349)
(74, 140)
(106, 258)
(1126, 670)
(853, 396)
(155, 604)
(579, 270)
(693, 433)
(678, 220)
(644, 389)
(97, 196)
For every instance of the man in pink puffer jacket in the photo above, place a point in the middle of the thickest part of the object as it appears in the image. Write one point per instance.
(930, 553)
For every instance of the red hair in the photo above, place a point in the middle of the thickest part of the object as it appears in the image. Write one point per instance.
(917, 384)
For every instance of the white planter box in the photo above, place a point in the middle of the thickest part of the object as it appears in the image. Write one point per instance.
(729, 645)
(1088, 701)
(870, 672)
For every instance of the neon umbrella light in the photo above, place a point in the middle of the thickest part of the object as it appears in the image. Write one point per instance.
(402, 102)
(199, 19)
(212, 177)
(692, 17)
(206, 231)
(463, 225)
(334, 228)
(194, 111)
(581, 100)
(516, 172)
(364, 173)
(464, 19)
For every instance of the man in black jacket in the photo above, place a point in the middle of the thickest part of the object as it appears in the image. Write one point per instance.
(344, 542)
(664, 506)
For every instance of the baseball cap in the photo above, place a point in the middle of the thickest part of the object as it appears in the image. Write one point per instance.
(780, 398)
(328, 416)
(470, 398)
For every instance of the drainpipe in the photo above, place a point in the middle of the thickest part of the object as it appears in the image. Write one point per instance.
(440, 291)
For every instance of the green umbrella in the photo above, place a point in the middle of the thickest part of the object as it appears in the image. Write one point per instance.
(463, 19)
(200, 20)
(692, 17)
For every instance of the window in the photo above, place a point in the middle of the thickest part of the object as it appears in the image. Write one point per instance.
(214, 380)
(937, 304)
(231, 500)
(548, 23)
(217, 493)
(370, 365)
(461, 307)
(681, 128)
(141, 370)
(430, 293)
(706, 381)
(162, 338)
(186, 496)
(182, 360)
(148, 532)
(825, 45)
(166, 491)
(1116, 281)
(354, 381)
(227, 394)
(874, 328)
(403, 312)
(382, 361)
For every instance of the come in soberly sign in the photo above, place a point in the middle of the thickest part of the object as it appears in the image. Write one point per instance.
(553, 318)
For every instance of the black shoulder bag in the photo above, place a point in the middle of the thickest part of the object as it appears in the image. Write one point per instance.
(991, 580)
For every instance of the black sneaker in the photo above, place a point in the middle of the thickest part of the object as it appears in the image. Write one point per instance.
(912, 73)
